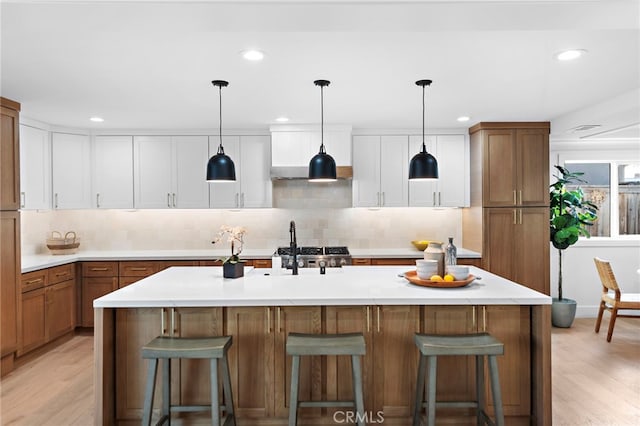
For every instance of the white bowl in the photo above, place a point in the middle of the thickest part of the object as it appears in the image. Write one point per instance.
(459, 272)
(426, 262)
(426, 273)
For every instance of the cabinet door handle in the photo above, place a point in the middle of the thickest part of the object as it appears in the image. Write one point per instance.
(268, 320)
(520, 192)
(383, 203)
(98, 200)
(439, 198)
(168, 199)
(174, 200)
(137, 268)
(515, 201)
(242, 199)
(237, 203)
(55, 200)
(29, 282)
(61, 274)
(473, 318)
(515, 221)
(378, 318)
(368, 319)
(163, 325)
(434, 198)
(99, 269)
(174, 325)
(278, 315)
(484, 318)
(23, 200)
(378, 198)
(520, 212)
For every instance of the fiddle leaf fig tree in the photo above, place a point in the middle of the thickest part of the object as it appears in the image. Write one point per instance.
(570, 214)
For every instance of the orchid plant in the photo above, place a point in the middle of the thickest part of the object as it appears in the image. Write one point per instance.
(235, 236)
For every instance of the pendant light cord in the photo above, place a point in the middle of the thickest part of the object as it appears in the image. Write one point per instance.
(220, 148)
(424, 147)
(322, 150)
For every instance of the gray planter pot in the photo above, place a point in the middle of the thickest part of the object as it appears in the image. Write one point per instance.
(563, 312)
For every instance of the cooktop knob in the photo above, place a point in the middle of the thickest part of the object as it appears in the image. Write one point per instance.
(300, 263)
(332, 262)
(343, 261)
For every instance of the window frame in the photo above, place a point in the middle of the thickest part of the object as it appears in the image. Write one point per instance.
(613, 158)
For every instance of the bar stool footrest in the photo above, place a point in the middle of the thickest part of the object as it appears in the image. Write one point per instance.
(326, 404)
(454, 404)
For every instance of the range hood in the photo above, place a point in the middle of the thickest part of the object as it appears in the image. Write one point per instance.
(293, 146)
(302, 172)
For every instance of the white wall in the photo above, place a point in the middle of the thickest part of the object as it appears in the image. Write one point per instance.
(580, 279)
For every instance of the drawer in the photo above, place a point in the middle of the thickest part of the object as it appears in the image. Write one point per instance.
(262, 263)
(61, 273)
(99, 269)
(361, 261)
(33, 280)
(138, 269)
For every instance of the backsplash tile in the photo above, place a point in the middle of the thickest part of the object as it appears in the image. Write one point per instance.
(316, 223)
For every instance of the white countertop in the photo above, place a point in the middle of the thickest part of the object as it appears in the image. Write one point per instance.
(40, 261)
(350, 285)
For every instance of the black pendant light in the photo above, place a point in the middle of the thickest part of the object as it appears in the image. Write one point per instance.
(322, 167)
(220, 167)
(423, 165)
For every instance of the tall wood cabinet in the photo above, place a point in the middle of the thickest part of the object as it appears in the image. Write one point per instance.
(508, 220)
(9, 231)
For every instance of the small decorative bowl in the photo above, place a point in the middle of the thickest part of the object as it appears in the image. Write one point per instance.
(420, 244)
(459, 272)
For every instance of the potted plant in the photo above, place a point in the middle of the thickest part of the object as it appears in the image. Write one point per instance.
(232, 266)
(570, 215)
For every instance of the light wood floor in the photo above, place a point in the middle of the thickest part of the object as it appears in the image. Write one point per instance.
(594, 382)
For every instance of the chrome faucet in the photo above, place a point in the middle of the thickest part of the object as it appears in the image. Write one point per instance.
(293, 245)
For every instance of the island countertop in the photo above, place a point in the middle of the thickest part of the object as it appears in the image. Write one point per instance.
(350, 285)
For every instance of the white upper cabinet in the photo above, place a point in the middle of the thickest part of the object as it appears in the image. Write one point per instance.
(35, 169)
(112, 171)
(170, 172)
(191, 157)
(71, 173)
(153, 170)
(380, 171)
(452, 187)
(251, 157)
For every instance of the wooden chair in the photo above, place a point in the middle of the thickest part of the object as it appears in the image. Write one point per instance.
(612, 298)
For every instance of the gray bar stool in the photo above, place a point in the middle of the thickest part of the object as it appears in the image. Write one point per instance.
(326, 344)
(480, 344)
(213, 348)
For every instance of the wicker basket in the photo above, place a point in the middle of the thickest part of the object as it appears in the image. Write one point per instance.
(58, 244)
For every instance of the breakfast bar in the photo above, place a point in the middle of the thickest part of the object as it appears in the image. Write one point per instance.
(261, 308)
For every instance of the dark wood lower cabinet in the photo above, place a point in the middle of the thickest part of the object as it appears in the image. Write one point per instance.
(261, 369)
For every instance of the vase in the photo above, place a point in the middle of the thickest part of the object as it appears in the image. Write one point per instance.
(233, 270)
(434, 252)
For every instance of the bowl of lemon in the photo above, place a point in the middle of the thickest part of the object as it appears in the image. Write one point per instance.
(421, 244)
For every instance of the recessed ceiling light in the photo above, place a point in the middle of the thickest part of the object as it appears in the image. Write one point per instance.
(569, 55)
(463, 118)
(97, 119)
(252, 55)
(282, 119)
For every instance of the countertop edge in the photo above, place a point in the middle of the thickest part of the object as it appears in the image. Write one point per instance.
(36, 262)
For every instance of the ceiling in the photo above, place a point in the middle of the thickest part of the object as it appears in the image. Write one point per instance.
(149, 64)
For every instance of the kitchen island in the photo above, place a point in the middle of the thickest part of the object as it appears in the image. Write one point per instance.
(260, 309)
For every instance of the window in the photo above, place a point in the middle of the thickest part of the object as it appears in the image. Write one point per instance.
(613, 186)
